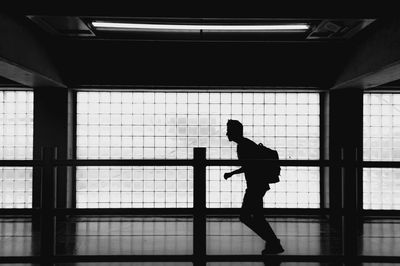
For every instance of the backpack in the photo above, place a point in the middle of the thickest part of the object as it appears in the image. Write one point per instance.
(273, 171)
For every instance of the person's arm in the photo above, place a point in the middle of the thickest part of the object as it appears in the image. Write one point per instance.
(237, 171)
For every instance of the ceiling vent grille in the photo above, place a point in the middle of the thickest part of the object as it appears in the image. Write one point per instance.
(338, 29)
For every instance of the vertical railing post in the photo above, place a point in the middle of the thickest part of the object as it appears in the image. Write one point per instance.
(350, 174)
(199, 206)
(48, 202)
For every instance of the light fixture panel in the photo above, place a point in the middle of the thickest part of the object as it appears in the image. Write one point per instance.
(123, 26)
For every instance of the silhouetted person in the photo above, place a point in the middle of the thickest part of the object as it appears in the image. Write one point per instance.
(252, 207)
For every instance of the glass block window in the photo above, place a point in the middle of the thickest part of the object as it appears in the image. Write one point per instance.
(381, 141)
(16, 143)
(134, 187)
(298, 188)
(168, 125)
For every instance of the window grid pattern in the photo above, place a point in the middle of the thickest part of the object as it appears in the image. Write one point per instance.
(168, 125)
(381, 142)
(134, 187)
(16, 143)
(298, 188)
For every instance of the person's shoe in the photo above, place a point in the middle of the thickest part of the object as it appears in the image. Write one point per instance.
(274, 248)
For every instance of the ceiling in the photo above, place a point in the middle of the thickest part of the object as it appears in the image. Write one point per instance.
(85, 56)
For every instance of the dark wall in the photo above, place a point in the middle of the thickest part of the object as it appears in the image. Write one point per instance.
(202, 63)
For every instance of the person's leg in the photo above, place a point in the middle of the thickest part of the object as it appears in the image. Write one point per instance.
(260, 223)
(246, 215)
(252, 214)
(272, 243)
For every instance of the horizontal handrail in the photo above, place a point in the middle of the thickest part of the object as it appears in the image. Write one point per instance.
(191, 162)
(190, 211)
(21, 163)
(214, 162)
(21, 211)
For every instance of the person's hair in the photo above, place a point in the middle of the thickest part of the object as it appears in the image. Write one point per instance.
(235, 127)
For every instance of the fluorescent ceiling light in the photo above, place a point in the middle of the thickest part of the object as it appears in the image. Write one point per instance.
(197, 27)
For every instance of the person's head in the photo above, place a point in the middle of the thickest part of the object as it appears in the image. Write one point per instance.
(234, 130)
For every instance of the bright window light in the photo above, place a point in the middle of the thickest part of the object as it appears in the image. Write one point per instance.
(381, 137)
(16, 143)
(197, 27)
(168, 125)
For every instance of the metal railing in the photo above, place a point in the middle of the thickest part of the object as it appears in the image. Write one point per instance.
(48, 211)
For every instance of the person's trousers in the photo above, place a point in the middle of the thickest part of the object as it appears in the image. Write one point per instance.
(252, 214)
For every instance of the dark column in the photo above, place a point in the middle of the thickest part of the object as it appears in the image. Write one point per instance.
(346, 139)
(52, 138)
(48, 198)
(53, 128)
(199, 206)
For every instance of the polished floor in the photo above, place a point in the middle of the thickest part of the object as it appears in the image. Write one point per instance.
(18, 238)
(381, 237)
(141, 235)
(174, 236)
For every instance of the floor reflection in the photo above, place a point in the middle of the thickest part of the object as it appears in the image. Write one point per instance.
(381, 237)
(17, 237)
(299, 236)
(125, 236)
(166, 235)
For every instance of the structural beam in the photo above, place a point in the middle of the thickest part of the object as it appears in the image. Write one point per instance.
(375, 59)
(23, 58)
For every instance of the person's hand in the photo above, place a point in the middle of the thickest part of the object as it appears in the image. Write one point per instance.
(227, 175)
